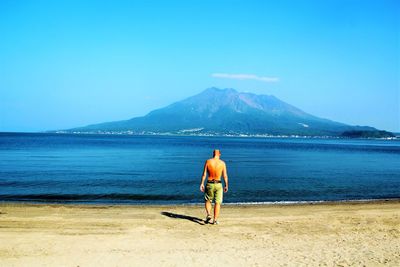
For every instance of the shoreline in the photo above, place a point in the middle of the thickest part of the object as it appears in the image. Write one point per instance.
(233, 204)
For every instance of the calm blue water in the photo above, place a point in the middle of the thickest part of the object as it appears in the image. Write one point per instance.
(167, 170)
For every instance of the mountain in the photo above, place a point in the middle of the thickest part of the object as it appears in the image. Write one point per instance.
(228, 112)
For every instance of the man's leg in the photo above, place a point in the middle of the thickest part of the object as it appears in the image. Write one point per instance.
(218, 201)
(208, 207)
(217, 208)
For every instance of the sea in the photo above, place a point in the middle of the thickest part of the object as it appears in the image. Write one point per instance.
(135, 170)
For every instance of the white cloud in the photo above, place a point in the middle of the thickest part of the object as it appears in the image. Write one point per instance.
(245, 77)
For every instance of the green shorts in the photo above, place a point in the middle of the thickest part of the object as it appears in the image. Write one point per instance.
(213, 192)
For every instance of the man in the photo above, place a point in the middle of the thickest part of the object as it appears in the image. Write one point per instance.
(214, 167)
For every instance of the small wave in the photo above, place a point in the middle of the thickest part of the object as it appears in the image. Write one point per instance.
(90, 197)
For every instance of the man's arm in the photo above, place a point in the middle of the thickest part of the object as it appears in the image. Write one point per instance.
(225, 174)
(203, 177)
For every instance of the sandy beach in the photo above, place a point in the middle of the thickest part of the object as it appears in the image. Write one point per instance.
(335, 234)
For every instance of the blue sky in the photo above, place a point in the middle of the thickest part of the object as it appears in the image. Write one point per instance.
(71, 63)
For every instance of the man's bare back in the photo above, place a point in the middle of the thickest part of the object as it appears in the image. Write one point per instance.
(215, 168)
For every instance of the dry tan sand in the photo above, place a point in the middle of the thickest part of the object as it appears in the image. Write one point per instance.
(357, 234)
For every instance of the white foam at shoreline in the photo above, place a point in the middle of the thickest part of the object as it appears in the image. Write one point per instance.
(301, 202)
(312, 202)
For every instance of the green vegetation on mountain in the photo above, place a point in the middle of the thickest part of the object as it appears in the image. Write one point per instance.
(367, 134)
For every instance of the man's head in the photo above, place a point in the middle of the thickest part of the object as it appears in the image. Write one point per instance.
(216, 153)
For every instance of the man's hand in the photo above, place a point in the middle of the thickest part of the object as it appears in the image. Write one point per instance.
(202, 187)
(225, 189)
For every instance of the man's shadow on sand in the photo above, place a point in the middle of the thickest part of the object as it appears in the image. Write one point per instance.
(184, 217)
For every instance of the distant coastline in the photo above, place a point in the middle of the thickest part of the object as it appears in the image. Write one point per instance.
(394, 137)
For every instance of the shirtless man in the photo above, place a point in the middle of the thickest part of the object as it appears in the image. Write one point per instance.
(213, 190)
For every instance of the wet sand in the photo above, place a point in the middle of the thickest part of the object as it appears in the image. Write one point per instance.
(335, 234)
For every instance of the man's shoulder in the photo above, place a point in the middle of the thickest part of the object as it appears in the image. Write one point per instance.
(219, 161)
